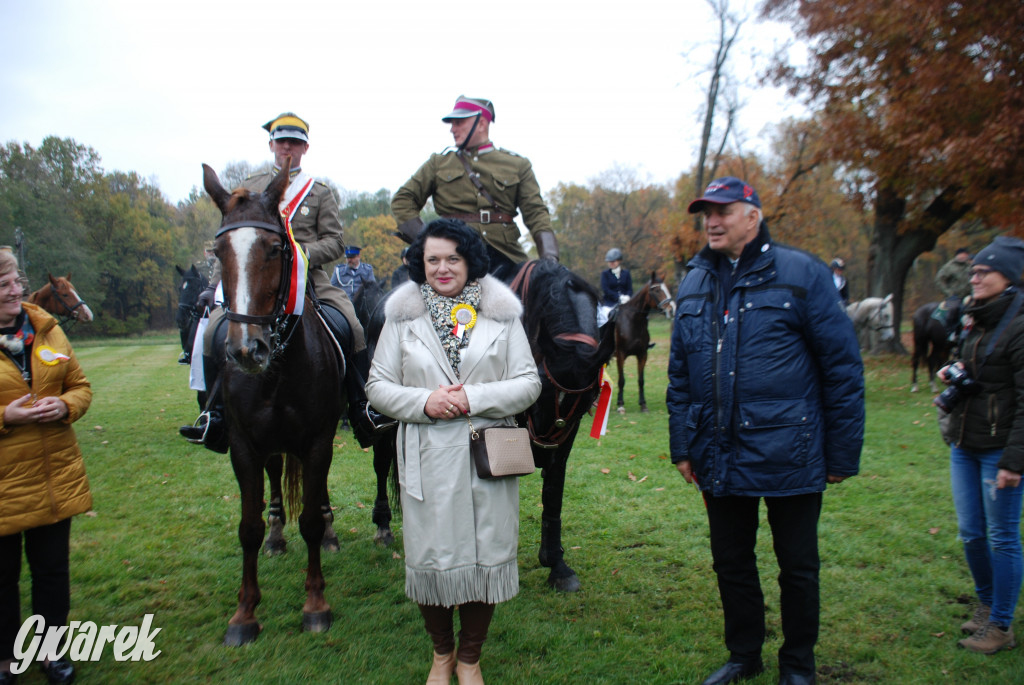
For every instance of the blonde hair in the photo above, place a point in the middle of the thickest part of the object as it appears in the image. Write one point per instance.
(8, 262)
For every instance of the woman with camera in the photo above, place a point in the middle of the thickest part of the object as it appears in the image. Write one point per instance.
(986, 401)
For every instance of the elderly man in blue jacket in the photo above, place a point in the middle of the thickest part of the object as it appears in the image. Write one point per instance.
(765, 400)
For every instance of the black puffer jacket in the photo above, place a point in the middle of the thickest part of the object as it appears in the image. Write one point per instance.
(994, 418)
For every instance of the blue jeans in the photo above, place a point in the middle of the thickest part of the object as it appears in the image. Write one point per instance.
(989, 522)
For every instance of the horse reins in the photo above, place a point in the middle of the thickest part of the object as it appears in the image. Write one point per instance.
(875, 314)
(562, 425)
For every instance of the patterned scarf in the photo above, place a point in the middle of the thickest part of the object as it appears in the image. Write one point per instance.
(16, 342)
(440, 309)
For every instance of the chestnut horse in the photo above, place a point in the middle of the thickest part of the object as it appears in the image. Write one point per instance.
(61, 299)
(282, 388)
(631, 335)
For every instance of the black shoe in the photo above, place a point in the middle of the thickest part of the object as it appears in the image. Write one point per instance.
(796, 679)
(734, 671)
(59, 672)
(367, 423)
(208, 431)
(185, 359)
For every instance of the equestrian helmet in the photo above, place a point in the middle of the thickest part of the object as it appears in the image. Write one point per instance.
(614, 254)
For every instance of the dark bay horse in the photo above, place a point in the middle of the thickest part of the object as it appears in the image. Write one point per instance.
(282, 389)
(61, 299)
(192, 284)
(631, 335)
(560, 318)
(931, 342)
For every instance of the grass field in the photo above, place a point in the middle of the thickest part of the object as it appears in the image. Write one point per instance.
(162, 540)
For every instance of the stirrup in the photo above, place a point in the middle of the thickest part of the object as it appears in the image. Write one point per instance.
(380, 421)
(192, 433)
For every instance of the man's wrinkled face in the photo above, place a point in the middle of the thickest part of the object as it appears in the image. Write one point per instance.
(729, 227)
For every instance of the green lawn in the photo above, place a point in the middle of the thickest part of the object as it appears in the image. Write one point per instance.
(163, 540)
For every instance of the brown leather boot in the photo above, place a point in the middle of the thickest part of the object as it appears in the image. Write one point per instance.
(469, 674)
(442, 670)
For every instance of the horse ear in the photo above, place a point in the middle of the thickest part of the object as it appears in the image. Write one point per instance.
(53, 281)
(887, 300)
(213, 187)
(271, 197)
(181, 272)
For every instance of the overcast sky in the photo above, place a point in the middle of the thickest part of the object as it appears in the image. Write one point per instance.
(157, 87)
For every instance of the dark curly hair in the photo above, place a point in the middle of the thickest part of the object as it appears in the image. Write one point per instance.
(469, 245)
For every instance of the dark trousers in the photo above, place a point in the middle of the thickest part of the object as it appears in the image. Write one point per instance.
(794, 524)
(440, 625)
(46, 549)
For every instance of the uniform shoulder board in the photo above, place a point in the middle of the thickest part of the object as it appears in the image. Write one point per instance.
(448, 150)
(508, 152)
(255, 175)
(317, 181)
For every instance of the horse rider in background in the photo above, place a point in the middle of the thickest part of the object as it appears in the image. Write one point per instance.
(839, 280)
(616, 286)
(481, 184)
(316, 225)
(954, 282)
(354, 274)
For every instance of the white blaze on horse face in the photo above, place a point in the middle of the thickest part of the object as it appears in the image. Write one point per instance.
(83, 312)
(243, 241)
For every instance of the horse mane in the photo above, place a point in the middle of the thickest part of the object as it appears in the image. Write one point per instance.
(238, 196)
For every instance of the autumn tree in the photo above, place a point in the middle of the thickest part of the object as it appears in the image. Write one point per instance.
(922, 101)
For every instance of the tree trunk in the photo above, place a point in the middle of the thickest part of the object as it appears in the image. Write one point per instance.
(895, 245)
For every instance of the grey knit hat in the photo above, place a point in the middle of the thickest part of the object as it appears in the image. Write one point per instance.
(1005, 255)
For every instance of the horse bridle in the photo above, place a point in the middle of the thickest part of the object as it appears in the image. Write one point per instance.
(278, 320)
(876, 314)
(70, 316)
(562, 425)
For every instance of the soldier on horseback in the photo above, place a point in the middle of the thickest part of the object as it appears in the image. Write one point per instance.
(317, 228)
(482, 185)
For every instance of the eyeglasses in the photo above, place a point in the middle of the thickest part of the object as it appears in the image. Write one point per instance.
(981, 271)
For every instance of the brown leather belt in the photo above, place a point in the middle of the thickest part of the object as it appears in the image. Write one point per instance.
(485, 216)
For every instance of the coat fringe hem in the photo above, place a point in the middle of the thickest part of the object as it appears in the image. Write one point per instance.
(489, 584)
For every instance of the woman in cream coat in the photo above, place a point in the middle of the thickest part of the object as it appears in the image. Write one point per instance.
(431, 369)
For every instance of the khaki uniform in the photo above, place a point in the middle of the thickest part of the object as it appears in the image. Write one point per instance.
(317, 228)
(507, 176)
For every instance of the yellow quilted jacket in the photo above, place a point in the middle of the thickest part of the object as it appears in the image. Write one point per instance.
(42, 475)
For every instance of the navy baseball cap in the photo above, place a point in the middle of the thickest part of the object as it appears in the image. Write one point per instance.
(351, 251)
(723, 191)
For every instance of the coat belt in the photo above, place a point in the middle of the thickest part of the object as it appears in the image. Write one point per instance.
(485, 216)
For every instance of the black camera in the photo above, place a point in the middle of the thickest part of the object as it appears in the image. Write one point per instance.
(961, 385)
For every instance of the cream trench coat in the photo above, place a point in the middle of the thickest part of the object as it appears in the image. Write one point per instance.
(461, 533)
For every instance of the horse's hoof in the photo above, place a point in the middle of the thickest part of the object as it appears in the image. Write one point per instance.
(317, 621)
(645, 410)
(384, 537)
(241, 634)
(273, 548)
(913, 388)
(621, 410)
(565, 583)
(330, 544)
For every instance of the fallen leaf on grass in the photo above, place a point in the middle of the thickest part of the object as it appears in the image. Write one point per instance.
(396, 555)
(631, 476)
(97, 428)
(933, 531)
(360, 505)
(942, 634)
(642, 479)
(615, 572)
(658, 489)
(91, 514)
(606, 471)
(105, 442)
(353, 530)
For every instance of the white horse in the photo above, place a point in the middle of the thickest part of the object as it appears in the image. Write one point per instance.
(872, 318)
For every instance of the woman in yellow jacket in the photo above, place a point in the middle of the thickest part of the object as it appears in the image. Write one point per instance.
(42, 477)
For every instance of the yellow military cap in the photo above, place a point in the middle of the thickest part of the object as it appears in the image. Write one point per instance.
(287, 125)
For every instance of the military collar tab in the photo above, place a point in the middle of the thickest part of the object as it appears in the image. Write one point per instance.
(291, 174)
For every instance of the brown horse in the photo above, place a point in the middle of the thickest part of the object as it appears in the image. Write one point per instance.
(632, 338)
(282, 389)
(61, 299)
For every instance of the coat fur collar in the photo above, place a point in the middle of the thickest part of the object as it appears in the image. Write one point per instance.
(497, 302)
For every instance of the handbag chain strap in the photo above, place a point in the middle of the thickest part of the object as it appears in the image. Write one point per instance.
(473, 432)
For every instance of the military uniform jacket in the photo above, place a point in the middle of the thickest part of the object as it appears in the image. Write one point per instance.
(351, 280)
(507, 176)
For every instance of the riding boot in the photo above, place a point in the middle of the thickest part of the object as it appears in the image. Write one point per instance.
(209, 430)
(475, 618)
(367, 423)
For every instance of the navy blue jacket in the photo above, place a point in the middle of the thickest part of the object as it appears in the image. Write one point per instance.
(766, 383)
(612, 287)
